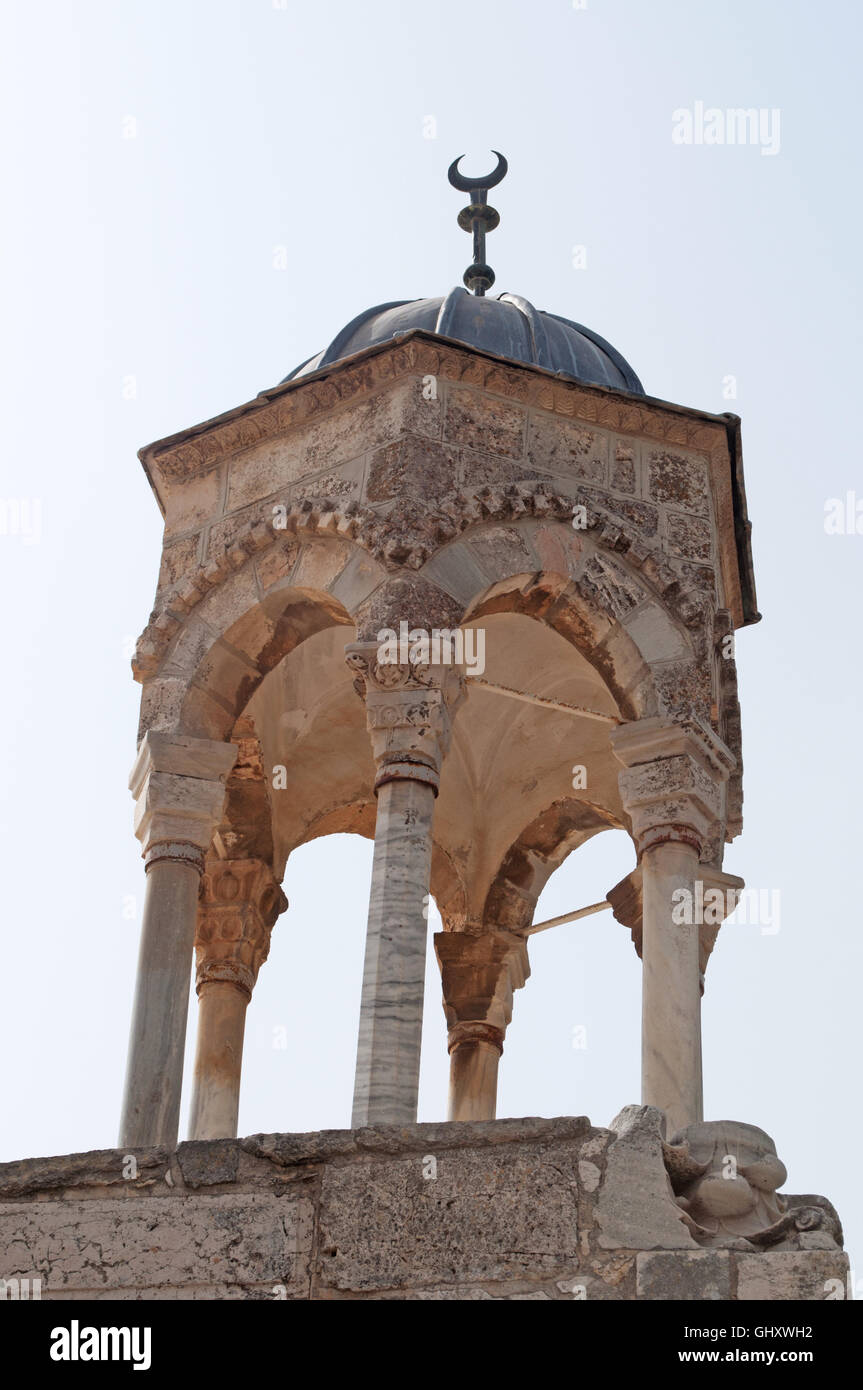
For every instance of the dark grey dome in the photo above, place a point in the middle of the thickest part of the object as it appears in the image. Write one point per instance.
(507, 326)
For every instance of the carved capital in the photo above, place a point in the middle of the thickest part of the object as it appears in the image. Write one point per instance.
(479, 975)
(715, 896)
(178, 784)
(239, 903)
(673, 783)
(409, 707)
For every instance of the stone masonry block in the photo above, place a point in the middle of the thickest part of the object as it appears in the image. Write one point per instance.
(386, 1225)
(703, 1275)
(154, 1242)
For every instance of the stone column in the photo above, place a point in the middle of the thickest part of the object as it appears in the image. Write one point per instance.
(408, 717)
(240, 901)
(179, 789)
(673, 790)
(478, 974)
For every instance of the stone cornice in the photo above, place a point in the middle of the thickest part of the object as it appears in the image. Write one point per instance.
(272, 412)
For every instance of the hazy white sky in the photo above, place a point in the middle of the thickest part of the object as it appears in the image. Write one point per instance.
(161, 162)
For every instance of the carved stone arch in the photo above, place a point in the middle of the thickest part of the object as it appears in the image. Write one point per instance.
(611, 604)
(261, 561)
(229, 667)
(407, 539)
(530, 861)
(203, 669)
(570, 608)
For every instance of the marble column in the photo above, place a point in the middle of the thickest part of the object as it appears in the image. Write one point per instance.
(239, 903)
(672, 787)
(478, 976)
(408, 717)
(179, 788)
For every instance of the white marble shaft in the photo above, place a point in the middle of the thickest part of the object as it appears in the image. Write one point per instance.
(154, 1072)
(179, 787)
(408, 710)
(671, 990)
(673, 788)
(388, 1049)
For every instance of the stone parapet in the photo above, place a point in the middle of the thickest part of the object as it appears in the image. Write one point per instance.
(519, 1209)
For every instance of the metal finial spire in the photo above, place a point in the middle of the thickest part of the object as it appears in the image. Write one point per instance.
(478, 218)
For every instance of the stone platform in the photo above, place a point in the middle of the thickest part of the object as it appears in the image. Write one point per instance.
(528, 1209)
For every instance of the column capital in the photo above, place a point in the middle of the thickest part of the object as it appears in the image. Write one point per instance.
(239, 903)
(673, 783)
(479, 975)
(715, 896)
(178, 783)
(409, 707)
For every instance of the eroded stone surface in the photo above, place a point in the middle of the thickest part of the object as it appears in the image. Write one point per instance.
(636, 1207)
(692, 1276)
(388, 1225)
(243, 1239)
(510, 1210)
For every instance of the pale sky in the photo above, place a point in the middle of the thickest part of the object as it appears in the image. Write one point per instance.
(161, 161)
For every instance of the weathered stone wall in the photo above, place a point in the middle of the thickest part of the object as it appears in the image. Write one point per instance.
(420, 424)
(514, 1209)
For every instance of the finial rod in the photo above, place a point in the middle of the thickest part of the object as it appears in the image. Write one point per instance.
(478, 219)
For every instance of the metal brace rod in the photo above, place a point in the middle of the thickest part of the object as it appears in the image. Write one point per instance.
(567, 917)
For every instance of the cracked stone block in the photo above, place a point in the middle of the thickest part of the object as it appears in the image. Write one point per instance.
(205, 1162)
(623, 478)
(482, 422)
(689, 537)
(792, 1274)
(678, 479)
(159, 1243)
(636, 1207)
(483, 1217)
(410, 467)
(685, 1274)
(564, 447)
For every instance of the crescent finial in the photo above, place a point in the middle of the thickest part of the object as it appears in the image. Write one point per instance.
(478, 219)
(464, 184)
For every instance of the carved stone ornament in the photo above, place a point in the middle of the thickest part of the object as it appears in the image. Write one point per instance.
(409, 707)
(239, 903)
(673, 781)
(725, 1176)
(479, 975)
